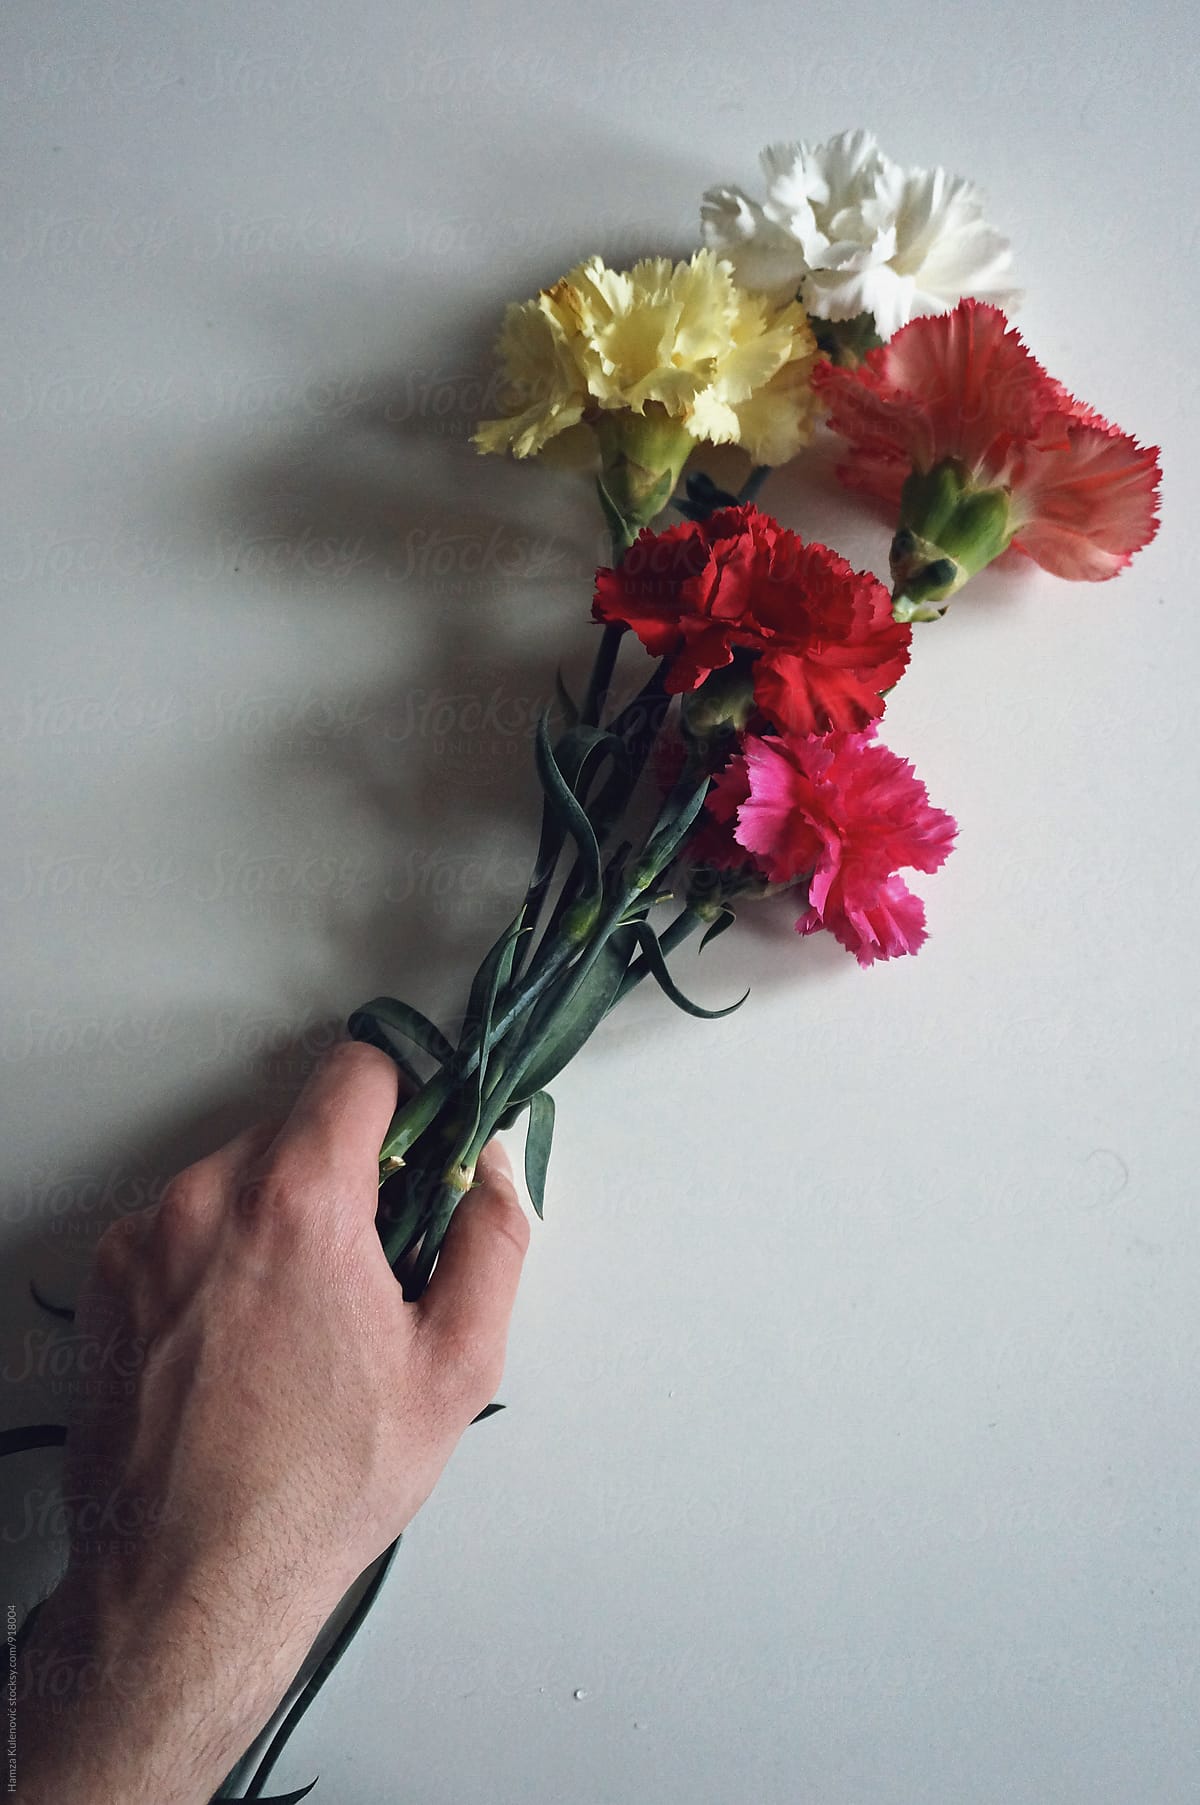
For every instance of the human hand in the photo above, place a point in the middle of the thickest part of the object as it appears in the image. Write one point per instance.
(270, 1415)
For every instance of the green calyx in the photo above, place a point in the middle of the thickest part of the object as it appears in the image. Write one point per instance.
(948, 530)
(641, 457)
(846, 342)
(723, 703)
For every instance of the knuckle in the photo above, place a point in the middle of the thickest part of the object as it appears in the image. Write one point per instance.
(115, 1250)
(470, 1365)
(183, 1207)
(260, 1192)
(278, 1189)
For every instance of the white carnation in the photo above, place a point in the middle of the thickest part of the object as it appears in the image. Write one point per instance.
(851, 232)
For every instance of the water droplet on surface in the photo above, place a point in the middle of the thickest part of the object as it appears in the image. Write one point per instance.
(580, 1692)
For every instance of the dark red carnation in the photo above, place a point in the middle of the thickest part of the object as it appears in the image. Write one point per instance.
(821, 635)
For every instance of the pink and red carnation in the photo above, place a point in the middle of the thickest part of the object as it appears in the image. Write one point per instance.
(847, 815)
(963, 385)
(821, 635)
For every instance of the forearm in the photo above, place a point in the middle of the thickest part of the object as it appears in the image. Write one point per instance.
(116, 1707)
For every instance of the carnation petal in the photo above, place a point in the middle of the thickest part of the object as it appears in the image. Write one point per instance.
(1088, 503)
(764, 255)
(891, 924)
(969, 384)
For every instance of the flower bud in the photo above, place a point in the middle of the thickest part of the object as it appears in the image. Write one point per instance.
(948, 531)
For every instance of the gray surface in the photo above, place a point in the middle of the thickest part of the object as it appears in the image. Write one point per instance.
(851, 1445)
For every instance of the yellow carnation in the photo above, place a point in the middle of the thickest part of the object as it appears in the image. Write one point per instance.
(674, 341)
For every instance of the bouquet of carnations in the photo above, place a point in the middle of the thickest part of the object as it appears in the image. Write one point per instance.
(747, 763)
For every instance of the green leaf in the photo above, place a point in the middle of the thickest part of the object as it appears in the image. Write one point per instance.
(489, 980)
(64, 1312)
(538, 1138)
(656, 960)
(724, 920)
(405, 1020)
(493, 972)
(575, 754)
(33, 1435)
(550, 841)
(574, 1023)
(374, 1034)
(672, 827)
(619, 529)
(566, 806)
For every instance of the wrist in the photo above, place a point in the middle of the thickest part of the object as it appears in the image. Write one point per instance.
(146, 1707)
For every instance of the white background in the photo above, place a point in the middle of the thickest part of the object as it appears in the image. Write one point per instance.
(850, 1451)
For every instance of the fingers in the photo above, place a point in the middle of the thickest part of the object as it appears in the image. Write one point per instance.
(469, 1300)
(340, 1118)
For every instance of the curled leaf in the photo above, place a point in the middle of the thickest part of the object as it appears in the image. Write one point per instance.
(724, 920)
(64, 1312)
(399, 1018)
(33, 1435)
(566, 806)
(656, 961)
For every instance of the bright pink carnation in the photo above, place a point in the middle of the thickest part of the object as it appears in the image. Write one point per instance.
(963, 385)
(846, 814)
(821, 634)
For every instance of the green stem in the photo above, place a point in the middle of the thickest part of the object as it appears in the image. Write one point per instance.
(600, 681)
(420, 1111)
(505, 1086)
(510, 1080)
(753, 483)
(622, 533)
(637, 726)
(401, 1230)
(447, 1197)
